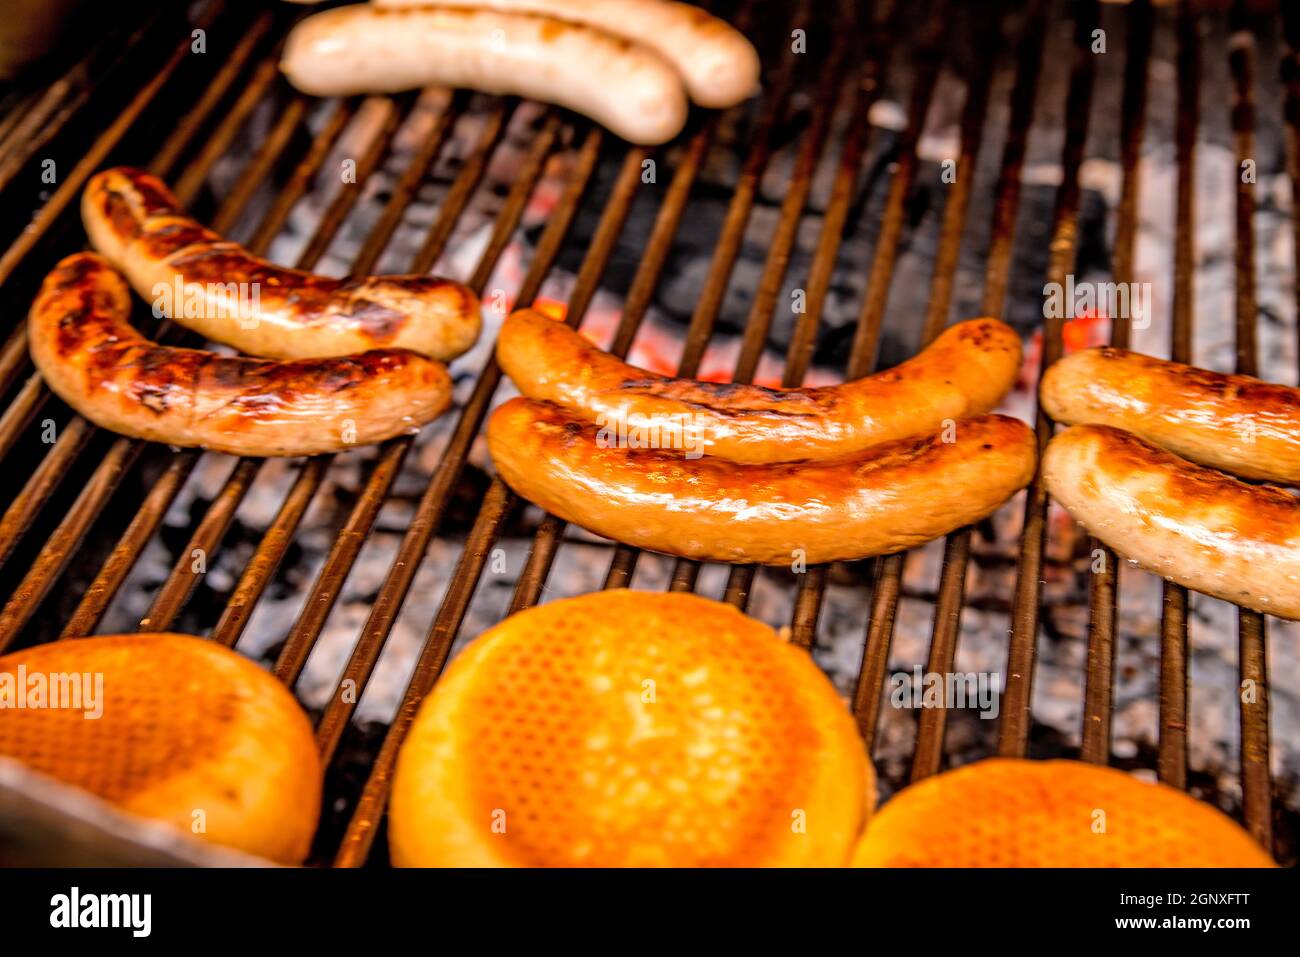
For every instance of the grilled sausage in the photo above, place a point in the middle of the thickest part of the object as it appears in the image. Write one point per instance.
(1193, 525)
(719, 66)
(1232, 422)
(966, 371)
(96, 362)
(881, 500)
(219, 289)
(364, 49)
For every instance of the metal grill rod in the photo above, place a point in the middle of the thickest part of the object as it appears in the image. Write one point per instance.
(1013, 736)
(1256, 775)
(428, 514)
(927, 755)
(347, 545)
(886, 589)
(94, 157)
(1172, 766)
(1104, 583)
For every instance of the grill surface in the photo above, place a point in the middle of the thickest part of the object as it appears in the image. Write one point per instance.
(74, 524)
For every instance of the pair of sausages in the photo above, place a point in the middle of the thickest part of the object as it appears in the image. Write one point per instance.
(628, 64)
(885, 499)
(869, 467)
(1115, 470)
(358, 357)
(965, 371)
(93, 359)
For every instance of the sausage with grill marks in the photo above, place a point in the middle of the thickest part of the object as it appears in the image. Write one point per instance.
(219, 289)
(881, 500)
(95, 361)
(965, 371)
(1195, 526)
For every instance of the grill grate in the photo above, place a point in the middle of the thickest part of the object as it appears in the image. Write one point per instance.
(59, 497)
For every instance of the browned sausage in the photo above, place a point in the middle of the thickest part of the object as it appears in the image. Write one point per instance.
(221, 290)
(1233, 422)
(1193, 525)
(965, 371)
(884, 499)
(96, 362)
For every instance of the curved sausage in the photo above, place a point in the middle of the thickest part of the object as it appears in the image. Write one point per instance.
(719, 66)
(965, 371)
(364, 49)
(96, 362)
(1193, 525)
(882, 500)
(1232, 422)
(224, 292)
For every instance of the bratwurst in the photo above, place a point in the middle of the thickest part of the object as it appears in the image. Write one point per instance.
(366, 49)
(965, 371)
(1232, 422)
(219, 289)
(881, 500)
(95, 361)
(719, 66)
(1195, 526)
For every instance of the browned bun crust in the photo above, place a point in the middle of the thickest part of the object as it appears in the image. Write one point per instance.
(100, 365)
(137, 225)
(885, 499)
(964, 372)
(180, 730)
(630, 729)
(1016, 813)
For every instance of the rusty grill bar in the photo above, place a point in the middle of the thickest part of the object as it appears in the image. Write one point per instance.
(81, 472)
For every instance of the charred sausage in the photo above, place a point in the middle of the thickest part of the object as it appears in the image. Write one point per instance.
(219, 289)
(95, 361)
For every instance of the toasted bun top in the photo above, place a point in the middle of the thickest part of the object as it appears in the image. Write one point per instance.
(1016, 813)
(630, 728)
(170, 727)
